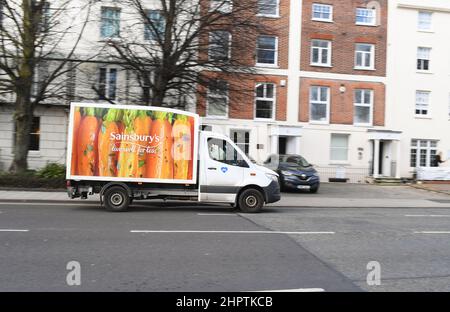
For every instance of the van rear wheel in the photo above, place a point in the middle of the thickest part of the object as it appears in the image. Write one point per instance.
(116, 199)
(251, 200)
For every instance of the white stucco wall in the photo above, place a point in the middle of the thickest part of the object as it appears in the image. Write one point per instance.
(403, 78)
(53, 136)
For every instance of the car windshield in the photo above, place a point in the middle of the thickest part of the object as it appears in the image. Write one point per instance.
(297, 160)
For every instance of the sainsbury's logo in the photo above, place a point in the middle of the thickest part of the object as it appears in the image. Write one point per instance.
(135, 137)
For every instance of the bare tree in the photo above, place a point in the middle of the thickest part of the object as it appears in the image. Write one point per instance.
(37, 40)
(175, 46)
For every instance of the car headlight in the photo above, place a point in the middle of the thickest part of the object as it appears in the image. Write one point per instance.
(315, 174)
(272, 177)
(286, 173)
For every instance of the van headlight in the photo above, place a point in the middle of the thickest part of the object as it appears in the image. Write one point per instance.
(272, 177)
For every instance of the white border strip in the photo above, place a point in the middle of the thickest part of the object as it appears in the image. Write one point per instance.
(13, 230)
(432, 232)
(218, 214)
(431, 216)
(229, 232)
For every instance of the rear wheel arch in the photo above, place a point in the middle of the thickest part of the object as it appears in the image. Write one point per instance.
(121, 184)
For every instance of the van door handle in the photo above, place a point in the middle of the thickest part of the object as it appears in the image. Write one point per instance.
(212, 168)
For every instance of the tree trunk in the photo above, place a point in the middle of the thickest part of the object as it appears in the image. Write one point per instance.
(159, 90)
(22, 122)
(23, 114)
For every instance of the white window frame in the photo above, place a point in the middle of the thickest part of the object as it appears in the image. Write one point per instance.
(266, 99)
(418, 148)
(422, 106)
(374, 17)
(116, 9)
(222, 6)
(246, 145)
(107, 83)
(275, 64)
(329, 49)
(372, 57)
(210, 94)
(420, 22)
(319, 102)
(362, 104)
(339, 161)
(427, 58)
(148, 34)
(276, 15)
(318, 19)
(210, 35)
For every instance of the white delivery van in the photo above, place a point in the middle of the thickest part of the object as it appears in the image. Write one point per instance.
(127, 153)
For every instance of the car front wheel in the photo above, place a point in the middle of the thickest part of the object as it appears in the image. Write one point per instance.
(314, 188)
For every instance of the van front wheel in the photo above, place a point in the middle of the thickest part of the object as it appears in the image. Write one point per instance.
(116, 199)
(251, 201)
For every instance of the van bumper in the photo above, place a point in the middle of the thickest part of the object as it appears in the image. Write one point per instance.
(272, 192)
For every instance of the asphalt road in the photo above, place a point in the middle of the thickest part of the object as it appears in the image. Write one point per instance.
(202, 248)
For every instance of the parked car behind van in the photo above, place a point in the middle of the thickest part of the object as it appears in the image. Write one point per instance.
(295, 172)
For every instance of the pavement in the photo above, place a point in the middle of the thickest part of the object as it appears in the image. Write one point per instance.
(443, 188)
(339, 195)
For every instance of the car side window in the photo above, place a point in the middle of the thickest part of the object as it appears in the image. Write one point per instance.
(222, 151)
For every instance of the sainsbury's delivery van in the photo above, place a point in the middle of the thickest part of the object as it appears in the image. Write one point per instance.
(126, 153)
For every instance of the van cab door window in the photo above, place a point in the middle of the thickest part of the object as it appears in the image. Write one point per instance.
(222, 151)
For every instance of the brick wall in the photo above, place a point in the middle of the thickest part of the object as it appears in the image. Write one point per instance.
(344, 34)
(242, 95)
(341, 104)
(269, 26)
(279, 27)
(244, 27)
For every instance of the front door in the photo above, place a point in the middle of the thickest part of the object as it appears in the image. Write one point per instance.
(224, 170)
(282, 141)
(381, 158)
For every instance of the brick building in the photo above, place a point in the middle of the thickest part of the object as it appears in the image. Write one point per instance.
(326, 84)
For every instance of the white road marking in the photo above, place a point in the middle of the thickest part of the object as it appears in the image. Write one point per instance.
(295, 290)
(48, 204)
(231, 232)
(432, 232)
(13, 230)
(217, 214)
(431, 216)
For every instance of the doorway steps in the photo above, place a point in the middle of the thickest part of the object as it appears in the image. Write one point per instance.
(387, 181)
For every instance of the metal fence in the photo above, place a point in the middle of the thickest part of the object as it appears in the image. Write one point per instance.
(351, 174)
